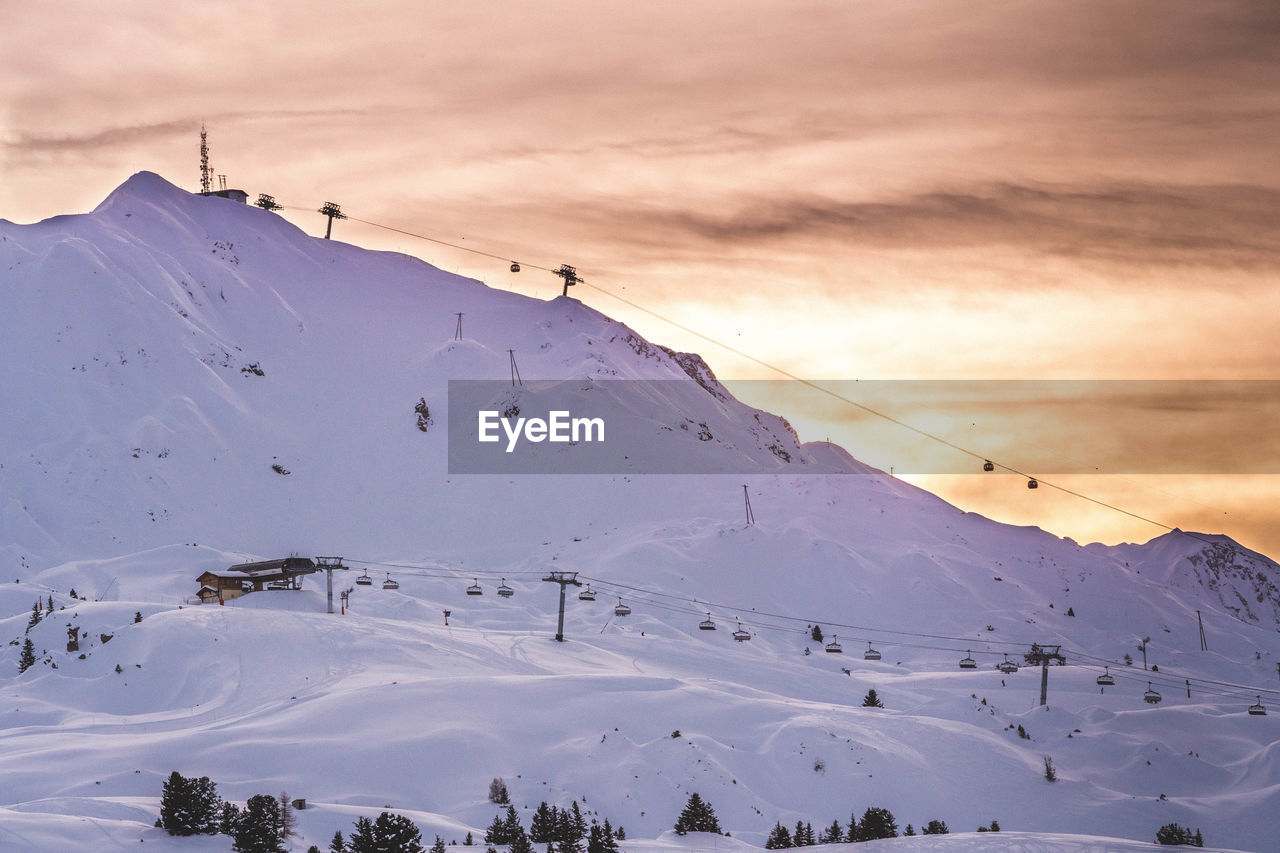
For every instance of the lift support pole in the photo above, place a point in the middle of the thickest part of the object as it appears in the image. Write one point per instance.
(564, 579)
(1043, 655)
(329, 564)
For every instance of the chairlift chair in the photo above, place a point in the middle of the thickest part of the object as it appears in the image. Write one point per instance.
(740, 635)
(707, 624)
(1151, 697)
(587, 594)
(364, 580)
(1106, 679)
(389, 583)
(1007, 666)
(1257, 709)
(833, 647)
(870, 653)
(621, 609)
(967, 662)
(504, 590)
(475, 588)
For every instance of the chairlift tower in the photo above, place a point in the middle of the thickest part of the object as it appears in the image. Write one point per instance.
(1043, 655)
(267, 202)
(570, 276)
(564, 579)
(333, 211)
(329, 564)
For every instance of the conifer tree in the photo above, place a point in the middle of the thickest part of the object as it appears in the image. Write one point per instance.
(877, 823)
(520, 843)
(390, 832)
(498, 792)
(258, 830)
(363, 840)
(511, 825)
(816, 634)
(438, 847)
(497, 832)
(542, 825)
(573, 827)
(871, 700)
(909, 831)
(337, 844)
(27, 658)
(35, 617)
(833, 834)
(936, 827)
(228, 819)
(797, 837)
(698, 816)
(288, 825)
(779, 838)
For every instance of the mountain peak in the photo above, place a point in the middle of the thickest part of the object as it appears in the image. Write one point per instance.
(142, 186)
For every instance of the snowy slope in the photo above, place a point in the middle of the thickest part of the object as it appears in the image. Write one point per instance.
(140, 454)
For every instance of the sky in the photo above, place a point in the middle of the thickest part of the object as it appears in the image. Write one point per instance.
(846, 190)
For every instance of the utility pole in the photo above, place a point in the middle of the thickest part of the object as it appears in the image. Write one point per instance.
(564, 579)
(570, 276)
(1143, 648)
(751, 516)
(329, 564)
(1043, 655)
(515, 371)
(333, 211)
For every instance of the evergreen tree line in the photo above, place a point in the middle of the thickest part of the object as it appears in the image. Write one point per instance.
(1172, 833)
(562, 830)
(876, 823)
(191, 806)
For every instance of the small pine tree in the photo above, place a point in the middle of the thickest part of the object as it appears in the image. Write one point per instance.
(35, 617)
(995, 826)
(511, 825)
(1050, 772)
(909, 832)
(337, 844)
(698, 816)
(27, 658)
(363, 840)
(871, 700)
(438, 847)
(497, 832)
(935, 827)
(259, 826)
(520, 843)
(797, 835)
(779, 838)
(498, 792)
(288, 824)
(833, 834)
(877, 823)
(469, 841)
(229, 819)
(1172, 834)
(816, 634)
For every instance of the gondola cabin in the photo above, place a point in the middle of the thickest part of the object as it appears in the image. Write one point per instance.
(1032, 484)
(515, 267)
(988, 466)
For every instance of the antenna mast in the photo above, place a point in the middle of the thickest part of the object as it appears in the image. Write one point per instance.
(206, 184)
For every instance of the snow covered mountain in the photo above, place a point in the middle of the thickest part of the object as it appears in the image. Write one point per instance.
(191, 382)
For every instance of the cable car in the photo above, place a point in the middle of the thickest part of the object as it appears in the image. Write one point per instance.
(1151, 697)
(870, 653)
(1106, 679)
(740, 635)
(475, 588)
(587, 594)
(988, 466)
(707, 624)
(967, 662)
(1032, 484)
(364, 580)
(504, 590)
(1007, 666)
(621, 609)
(1257, 709)
(515, 267)
(389, 583)
(833, 647)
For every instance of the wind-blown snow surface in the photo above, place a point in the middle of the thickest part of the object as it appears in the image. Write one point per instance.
(137, 450)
